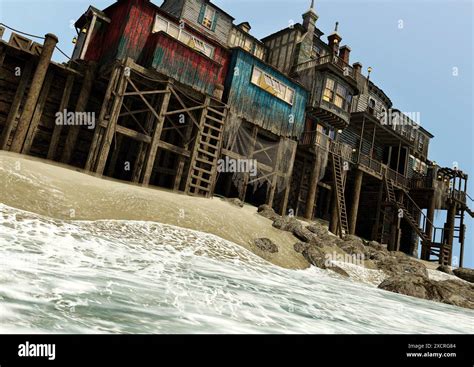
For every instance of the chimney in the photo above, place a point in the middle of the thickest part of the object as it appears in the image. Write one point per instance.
(245, 27)
(334, 39)
(310, 18)
(357, 67)
(344, 53)
(309, 24)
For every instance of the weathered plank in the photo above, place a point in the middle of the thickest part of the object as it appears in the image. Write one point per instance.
(81, 105)
(62, 106)
(13, 113)
(30, 136)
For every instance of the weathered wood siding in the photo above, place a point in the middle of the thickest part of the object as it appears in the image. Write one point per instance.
(173, 7)
(191, 12)
(182, 63)
(282, 50)
(259, 107)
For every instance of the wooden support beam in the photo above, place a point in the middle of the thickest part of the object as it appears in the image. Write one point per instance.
(359, 175)
(313, 185)
(378, 213)
(53, 146)
(160, 120)
(430, 213)
(109, 132)
(181, 160)
(81, 106)
(142, 147)
(15, 106)
(251, 150)
(274, 182)
(33, 93)
(99, 131)
(180, 101)
(286, 195)
(35, 120)
(115, 154)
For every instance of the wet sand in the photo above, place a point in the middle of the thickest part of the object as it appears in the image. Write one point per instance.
(61, 192)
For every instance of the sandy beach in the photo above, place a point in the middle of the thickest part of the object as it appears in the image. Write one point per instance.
(60, 192)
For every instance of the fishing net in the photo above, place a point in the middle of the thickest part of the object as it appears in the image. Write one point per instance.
(259, 156)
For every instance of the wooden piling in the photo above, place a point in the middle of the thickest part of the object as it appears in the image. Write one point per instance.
(15, 106)
(81, 106)
(160, 119)
(359, 175)
(313, 188)
(53, 145)
(33, 94)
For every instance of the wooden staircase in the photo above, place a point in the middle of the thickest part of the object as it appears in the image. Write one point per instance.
(442, 251)
(406, 213)
(207, 148)
(340, 183)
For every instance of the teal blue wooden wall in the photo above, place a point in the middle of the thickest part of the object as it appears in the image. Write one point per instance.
(259, 107)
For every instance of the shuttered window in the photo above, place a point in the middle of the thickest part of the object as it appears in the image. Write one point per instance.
(208, 17)
(272, 85)
(337, 94)
(162, 24)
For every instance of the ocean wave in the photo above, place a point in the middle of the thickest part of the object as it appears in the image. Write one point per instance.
(146, 277)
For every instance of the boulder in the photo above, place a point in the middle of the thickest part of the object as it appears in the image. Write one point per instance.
(286, 223)
(377, 246)
(267, 212)
(236, 202)
(315, 256)
(398, 263)
(300, 247)
(445, 269)
(266, 245)
(339, 270)
(353, 245)
(465, 273)
(448, 291)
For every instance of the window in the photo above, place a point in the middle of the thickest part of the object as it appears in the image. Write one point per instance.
(161, 24)
(337, 94)
(340, 99)
(272, 85)
(421, 143)
(208, 17)
(329, 90)
(371, 105)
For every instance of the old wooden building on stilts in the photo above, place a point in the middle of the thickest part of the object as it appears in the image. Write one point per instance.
(181, 97)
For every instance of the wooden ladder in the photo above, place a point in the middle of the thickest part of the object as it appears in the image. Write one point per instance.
(207, 148)
(340, 184)
(406, 213)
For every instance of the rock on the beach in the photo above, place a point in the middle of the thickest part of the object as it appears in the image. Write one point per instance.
(448, 291)
(315, 256)
(266, 245)
(397, 263)
(465, 273)
(267, 212)
(445, 269)
(339, 270)
(301, 246)
(236, 202)
(353, 245)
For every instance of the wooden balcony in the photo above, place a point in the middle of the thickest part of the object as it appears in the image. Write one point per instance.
(363, 162)
(331, 62)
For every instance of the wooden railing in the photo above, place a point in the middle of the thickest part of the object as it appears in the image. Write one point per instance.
(316, 138)
(346, 69)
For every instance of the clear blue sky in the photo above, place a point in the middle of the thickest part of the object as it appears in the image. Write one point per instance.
(413, 65)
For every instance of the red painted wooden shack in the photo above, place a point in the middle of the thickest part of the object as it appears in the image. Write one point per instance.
(142, 31)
